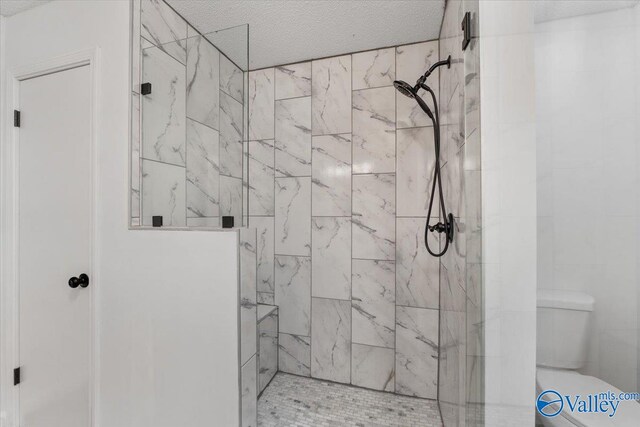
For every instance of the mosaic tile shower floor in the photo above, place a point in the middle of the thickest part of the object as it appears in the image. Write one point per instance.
(291, 400)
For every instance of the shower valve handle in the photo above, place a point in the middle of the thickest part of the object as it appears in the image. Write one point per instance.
(444, 227)
(439, 227)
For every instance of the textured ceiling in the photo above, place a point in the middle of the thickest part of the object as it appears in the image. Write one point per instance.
(11, 7)
(546, 10)
(286, 31)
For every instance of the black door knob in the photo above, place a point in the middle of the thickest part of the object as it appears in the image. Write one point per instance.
(82, 281)
(74, 282)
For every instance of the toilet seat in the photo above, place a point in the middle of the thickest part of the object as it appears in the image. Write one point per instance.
(572, 383)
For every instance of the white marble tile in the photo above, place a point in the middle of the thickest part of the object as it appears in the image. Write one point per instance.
(373, 302)
(164, 109)
(230, 136)
(331, 340)
(411, 62)
(452, 365)
(331, 175)
(191, 32)
(145, 44)
(268, 319)
(265, 245)
(452, 81)
(331, 254)
(416, 163)
(231, 80)
(268, 357)
(374, 216)
(163, 193)
(245, 182)
(203, 94)
(293, 216)
(331, 95)
(417, 352)
(248, 297)
(204, 222)
(231, 198)
(176, 50)
(261, 104)
(373, 367)
(417, 272)
(164, 28)
(374, 68)
(266, 298)
(135, 155)
(245, 106)
(374, 125)
(293, 137)
(293, 293)
(203, 176)
(294, 354)
(452, 280)
(293, 80)
(249, 394)
(261, 178)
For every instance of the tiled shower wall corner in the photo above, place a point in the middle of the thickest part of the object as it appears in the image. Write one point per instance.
(186, 142)
(461, 374)
(340, 166)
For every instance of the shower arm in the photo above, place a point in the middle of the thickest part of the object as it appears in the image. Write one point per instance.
(420, 82)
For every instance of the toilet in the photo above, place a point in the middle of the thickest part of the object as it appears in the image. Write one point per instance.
(563, 330)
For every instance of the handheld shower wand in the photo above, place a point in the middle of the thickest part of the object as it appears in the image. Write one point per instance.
(446, 227)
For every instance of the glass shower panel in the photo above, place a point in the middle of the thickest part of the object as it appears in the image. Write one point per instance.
(188, 96)
(461, 338)
(588, 158)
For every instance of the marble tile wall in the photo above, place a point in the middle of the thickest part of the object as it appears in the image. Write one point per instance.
(267, 346)
(461, 354)
(249, 338)
(190, 126)
(339, 172)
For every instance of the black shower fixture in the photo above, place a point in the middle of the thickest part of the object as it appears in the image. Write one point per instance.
(407, 90)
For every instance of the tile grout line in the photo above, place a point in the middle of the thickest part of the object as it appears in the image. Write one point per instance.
(351, 229)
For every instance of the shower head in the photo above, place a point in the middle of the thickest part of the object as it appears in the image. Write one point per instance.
(412, 92)
(405, 88)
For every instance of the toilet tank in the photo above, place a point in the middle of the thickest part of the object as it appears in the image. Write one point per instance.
(563, 328)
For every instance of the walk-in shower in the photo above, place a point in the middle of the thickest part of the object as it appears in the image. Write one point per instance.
(412, 92)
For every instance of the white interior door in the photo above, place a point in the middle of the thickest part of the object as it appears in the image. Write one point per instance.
(55, 243)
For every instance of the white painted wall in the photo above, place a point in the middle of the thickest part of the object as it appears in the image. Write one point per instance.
(508, 209)
(588, 174)
(167, 300)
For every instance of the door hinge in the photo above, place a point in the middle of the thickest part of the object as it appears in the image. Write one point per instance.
(16, 376)
(16, 118)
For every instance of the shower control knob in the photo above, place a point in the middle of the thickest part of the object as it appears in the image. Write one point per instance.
(82, 281)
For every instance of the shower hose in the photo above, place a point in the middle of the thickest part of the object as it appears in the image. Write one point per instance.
(446, 226)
